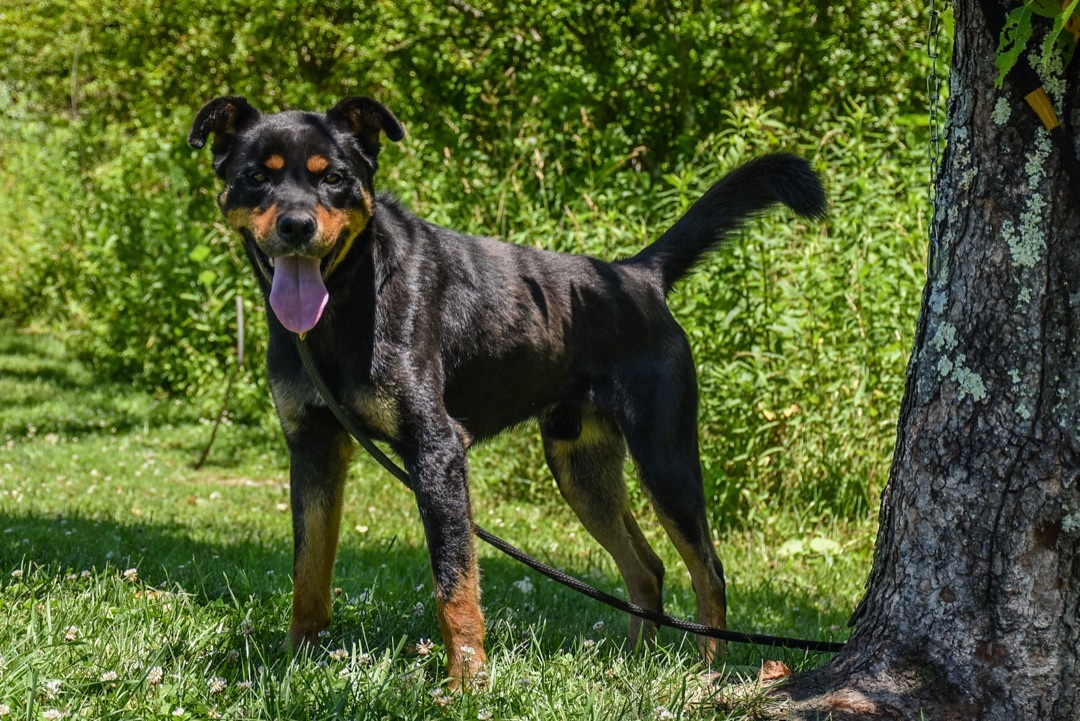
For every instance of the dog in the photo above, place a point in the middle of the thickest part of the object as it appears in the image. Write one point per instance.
(436, 339)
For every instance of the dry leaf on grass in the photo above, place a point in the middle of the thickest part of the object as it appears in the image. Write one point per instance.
(773, 671)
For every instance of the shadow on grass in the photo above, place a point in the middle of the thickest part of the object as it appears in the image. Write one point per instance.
(59, 375)
(43, 386)
(385, 586)
(14, 341)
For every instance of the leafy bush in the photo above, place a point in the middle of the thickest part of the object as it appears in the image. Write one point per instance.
(586, 127)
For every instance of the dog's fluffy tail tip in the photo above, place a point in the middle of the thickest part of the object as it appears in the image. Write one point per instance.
(796, 185)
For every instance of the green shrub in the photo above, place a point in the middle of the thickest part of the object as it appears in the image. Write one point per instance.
(584, 127)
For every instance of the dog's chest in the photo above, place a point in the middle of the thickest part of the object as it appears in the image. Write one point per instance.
(377, 410)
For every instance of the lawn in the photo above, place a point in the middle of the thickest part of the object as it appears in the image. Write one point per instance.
(133, 586)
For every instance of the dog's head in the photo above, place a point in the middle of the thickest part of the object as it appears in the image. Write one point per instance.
(298, 188)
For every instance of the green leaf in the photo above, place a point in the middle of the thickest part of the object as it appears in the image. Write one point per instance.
(199, 253)
(1014, 38)
(1055, 37)
(825, 546)
(207, 277)
(794, 547)
(1046, 8)
(915, 120)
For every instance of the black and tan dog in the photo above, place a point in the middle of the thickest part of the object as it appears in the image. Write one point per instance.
(436, 338)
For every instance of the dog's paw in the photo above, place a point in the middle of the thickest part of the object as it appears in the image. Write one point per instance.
(467, 667)
(303, 640)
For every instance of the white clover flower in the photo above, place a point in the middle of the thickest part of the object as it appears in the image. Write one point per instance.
(440, 697)
(217, 684)
(109, 676)
(339, 655)
(52, 714)
(525, 585)
(663, 713)
(4, 709)
(598, 627)
(131, 575)
(155, 675)
(424, 646)
(178, 711)
(71, 633)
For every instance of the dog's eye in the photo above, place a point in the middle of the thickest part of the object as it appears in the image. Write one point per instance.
(259, 177)
(333, 179)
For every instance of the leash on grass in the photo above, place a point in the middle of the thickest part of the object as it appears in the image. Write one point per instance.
(554, 574)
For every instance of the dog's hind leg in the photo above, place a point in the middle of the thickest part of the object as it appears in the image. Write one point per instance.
(660, 426)
(319, 459)
(588, 469)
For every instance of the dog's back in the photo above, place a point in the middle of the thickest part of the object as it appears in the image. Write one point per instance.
(516, 329)
(521, 329)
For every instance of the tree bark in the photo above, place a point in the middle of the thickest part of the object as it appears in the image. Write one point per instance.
(973, 605)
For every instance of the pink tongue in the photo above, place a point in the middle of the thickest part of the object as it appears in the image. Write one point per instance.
(298, 295)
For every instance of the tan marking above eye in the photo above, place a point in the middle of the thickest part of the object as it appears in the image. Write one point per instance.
(275, 162)
(317, 163)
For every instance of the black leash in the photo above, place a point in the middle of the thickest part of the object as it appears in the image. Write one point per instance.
(539, 566)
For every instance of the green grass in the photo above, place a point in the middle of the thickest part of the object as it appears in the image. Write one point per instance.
(133, 586)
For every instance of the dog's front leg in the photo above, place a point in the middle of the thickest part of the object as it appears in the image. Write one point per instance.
(319, 457)
(437, 466)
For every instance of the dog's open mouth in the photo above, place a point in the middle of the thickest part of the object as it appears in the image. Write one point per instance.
(298, 295)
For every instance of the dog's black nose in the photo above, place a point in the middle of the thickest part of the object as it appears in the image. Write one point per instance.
(296, 229)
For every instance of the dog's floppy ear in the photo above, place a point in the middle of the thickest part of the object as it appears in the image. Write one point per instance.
(365, 118)
(224, 117)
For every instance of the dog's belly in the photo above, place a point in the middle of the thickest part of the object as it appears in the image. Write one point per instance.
(491, 396)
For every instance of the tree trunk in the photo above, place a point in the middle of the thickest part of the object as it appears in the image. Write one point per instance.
(973, 606)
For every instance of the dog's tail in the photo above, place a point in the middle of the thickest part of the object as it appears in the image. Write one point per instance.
(744, 192)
